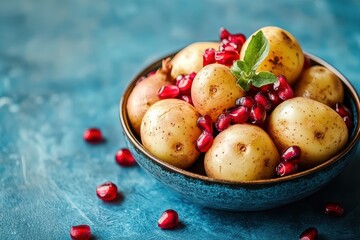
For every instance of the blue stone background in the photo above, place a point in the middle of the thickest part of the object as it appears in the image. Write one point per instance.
(63, 68)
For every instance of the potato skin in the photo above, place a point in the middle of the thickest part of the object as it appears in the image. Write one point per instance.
(320, 84)
(190, 58)
(285, 56)
(316, 128)
(169, 132)
(214, 89)
(242, 152)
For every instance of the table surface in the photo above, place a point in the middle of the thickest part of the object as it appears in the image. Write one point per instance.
(63, 68)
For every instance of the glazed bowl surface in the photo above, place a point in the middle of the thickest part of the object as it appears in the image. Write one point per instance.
(193, 184)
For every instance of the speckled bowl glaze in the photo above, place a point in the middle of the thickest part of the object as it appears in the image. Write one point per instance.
(195, 186)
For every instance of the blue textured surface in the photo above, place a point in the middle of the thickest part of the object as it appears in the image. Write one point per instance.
(63, 67)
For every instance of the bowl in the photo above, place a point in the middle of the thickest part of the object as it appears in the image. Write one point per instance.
(193, 185)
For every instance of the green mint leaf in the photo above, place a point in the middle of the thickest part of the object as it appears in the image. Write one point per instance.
(257, 50)
(240, 68)
(263, 78)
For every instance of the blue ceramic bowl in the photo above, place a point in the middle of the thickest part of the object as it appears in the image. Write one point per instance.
(196, 187)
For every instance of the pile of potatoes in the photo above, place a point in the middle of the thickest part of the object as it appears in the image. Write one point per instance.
(243, 152)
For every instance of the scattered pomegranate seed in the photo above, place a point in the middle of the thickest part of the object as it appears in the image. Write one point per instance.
(348, 122)
(80, 232)
(205, 123)
(169, 219)
(291, 153)
(239, 115)
(107, 191)
(310, 233)
(209, 56)
(286, 168)
(204, 141)
(283, 88)
(93, 135)
(168, 91)
(246, 101)
(184, 83)
(224, 33)
(342, 110)
(186, 98)
(266, 88)
(223, 122)
(264, 101)
(227, 57)
(257, 115)
(274, 97)
(335, 209)
(124, 157)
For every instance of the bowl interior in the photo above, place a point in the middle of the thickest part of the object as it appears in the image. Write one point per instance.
(197, 170)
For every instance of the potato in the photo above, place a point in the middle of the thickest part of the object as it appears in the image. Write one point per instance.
(190, 58)
(320, 84)
(242, 152)
(169, 132)
(144, 94)
(285, 56)
(214, 89)
(316, 128)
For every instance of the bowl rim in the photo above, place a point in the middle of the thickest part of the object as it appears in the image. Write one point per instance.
(137, 144)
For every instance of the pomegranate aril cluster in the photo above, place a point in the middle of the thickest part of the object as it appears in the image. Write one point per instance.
(289, 161)
(228, 53)
(205, 140)
(346, 115)
(181, 89)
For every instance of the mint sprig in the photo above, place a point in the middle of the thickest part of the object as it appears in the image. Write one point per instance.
(245, 71)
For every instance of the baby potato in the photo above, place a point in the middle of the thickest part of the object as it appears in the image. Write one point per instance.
(320, 84)
(317, 129)
(169, 132)
(190, 58)
(285, 56)
(214, 89)
(242, 152)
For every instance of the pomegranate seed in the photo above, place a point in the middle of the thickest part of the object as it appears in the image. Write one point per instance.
(226, 57)
(184, 84)
(307, 63)
(227, 45)
(335, 209)
(107, 191)
(264, 101)
(80, 232)
(246, 102)
(257, 115)
(168, 91)
(223, 122)
(283, 88)
(192, 75)
(186, 98)
(93, 135)
(239, 115)
(342, 110)
(266, 88)
(169, 219)
(291, 154)
(205, 123)
(204, 141)
(124, 157)
(310, 233)
(348, 122)
(286, 168)
(209, 56)
(274, 97)
(224, 34)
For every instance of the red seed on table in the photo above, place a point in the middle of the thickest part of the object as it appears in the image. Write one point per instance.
(80, 232)
(124, 157)
(335, 209)
(286, 168)
(204, 141)
(310, 233)
(169, 219)
(107, 191)
(93, 135)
